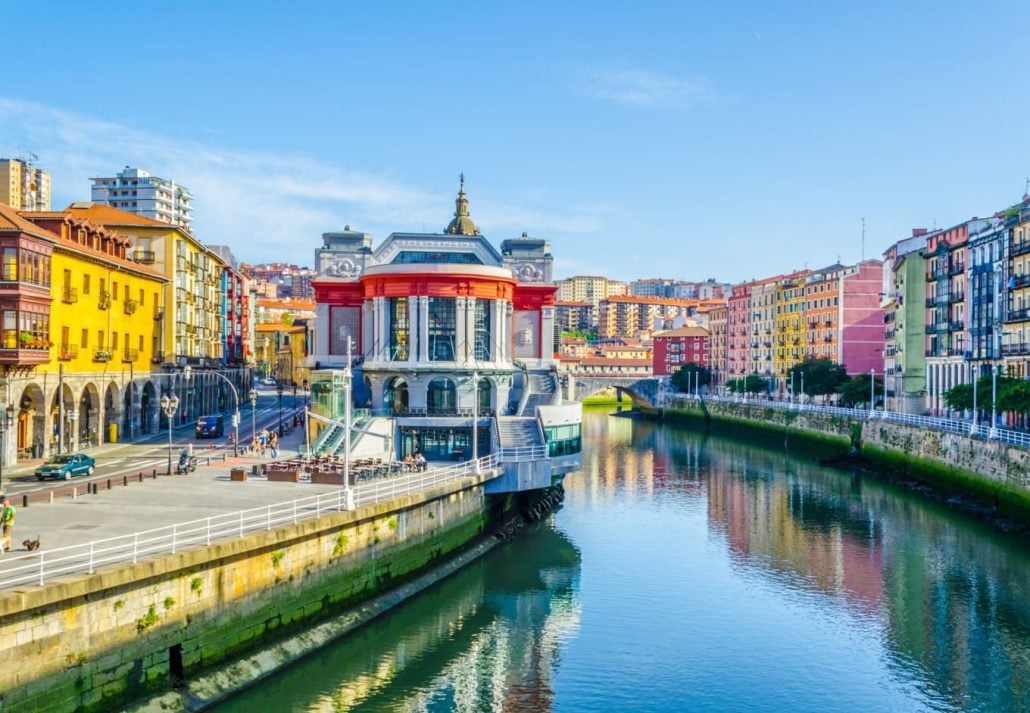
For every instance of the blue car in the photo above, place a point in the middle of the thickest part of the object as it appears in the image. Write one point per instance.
(65, 466)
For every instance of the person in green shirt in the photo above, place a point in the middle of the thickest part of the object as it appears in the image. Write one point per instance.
(7, 513)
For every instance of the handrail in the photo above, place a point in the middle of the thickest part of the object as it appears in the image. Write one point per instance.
(37, 568)
(936, 423)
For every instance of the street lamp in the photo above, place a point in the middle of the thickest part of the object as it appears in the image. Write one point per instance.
(993, 433)
(279, 388)
(169, 405)
(976, 374)
(348, 375)
(253, 414)
(475, 420)
(73, 416)
(236, 413)
(872, 392)
(5, 427)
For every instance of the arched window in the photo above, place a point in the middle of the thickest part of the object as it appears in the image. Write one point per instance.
(484, 395)
(442, 397)
(395, 395)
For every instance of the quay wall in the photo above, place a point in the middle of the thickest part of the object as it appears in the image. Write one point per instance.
(98, 642)
(995, 472)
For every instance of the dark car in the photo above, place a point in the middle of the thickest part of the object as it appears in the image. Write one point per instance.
(210, 427)
(65, 466)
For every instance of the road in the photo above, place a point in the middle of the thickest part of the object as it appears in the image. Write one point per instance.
(151, 453)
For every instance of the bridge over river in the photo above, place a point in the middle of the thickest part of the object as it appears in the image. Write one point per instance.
(642, 391)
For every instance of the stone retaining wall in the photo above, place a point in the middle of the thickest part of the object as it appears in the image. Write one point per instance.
(995, 471)
(95, 642)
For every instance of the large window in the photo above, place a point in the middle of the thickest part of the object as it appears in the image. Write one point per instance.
(442, 444)
(26, 328)
(400, 328)
(25, 265)
(441, 328)
(482, 330)
(563, 440)
(442, 397)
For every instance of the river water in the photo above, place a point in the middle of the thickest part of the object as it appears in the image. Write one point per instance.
(696, 573)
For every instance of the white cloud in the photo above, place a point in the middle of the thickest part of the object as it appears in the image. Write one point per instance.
(638, 87)
(266, 206)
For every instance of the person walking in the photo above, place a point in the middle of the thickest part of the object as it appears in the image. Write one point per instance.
(273, 444)
(7, 514)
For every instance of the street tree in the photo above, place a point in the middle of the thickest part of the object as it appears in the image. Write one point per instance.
(856, 390)
(756, 384)
(689, 375)
(822, 376)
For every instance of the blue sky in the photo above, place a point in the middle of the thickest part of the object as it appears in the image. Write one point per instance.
(687, 140)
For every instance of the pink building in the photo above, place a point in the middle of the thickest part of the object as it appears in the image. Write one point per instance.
(738, 331)
(860, 315)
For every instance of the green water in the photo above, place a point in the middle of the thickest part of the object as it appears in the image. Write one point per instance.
(694, 573)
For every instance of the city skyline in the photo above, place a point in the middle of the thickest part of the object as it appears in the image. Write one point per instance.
(768, 133)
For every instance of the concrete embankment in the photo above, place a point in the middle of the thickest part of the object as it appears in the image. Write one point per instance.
(995, 472)
(100, 641)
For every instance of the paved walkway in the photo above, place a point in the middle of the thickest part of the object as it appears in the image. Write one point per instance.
(154, 503)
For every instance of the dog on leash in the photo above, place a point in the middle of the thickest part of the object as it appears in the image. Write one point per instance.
(31, 544)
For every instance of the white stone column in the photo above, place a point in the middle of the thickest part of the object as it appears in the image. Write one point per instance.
(423, 329)
(461, 321)
(498, 330)
(367, 331)
(384, 328)
(322, 332)
(547, 333)
(470, 332)
(412, 329)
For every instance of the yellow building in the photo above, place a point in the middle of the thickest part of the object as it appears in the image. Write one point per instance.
(23, 186)
(789, 326)
(65, 386)
(280, 351)
(193, 294)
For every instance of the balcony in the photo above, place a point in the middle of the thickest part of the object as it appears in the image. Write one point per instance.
(24, 355)
(70, 295)
(67, 352)
(130, 355)
(1018, 315)
(104, 301)
(956, 326)
(102, 355)
(157, 358)
(130, 306)
(1021, 280)
(957, 297)
(1021, 248)
(931, 301)
(159, 313)
(144, 257)
(957, 269)
(1015, 349)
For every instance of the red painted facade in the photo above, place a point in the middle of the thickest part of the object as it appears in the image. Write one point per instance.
(675, 348)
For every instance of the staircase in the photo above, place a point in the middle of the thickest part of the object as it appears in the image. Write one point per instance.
(337, 447)
(542, 388)
(516, 432)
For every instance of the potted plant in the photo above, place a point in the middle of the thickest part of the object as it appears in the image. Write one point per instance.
(102, 355)
(130, 306)
(25, 339)
(105, 299)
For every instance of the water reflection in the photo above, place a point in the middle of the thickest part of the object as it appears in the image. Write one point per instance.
(706, 574)
(486, 638)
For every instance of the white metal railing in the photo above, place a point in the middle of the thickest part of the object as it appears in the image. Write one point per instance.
(520, 454)
(41, 566)
(935, 423)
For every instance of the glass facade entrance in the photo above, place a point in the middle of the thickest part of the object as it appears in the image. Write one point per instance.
(442, 443)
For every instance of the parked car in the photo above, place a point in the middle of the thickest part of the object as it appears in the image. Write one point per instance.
(210, 427)
(67, 465)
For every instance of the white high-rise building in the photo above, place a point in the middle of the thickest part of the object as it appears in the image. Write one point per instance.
(136, 191)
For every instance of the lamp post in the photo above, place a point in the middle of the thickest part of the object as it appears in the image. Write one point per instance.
(168, 406)
(5, 428)
(475, 420)
(236, 413)
(972, 429)
(73, 417)
(872, 392)
(801, 398)
(253, 414)
(279, 388)
(994, 401)
(348, 375)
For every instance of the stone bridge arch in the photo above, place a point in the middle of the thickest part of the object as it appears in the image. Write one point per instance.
(642, 391)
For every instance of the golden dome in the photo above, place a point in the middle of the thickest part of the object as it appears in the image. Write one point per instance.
(462, 223)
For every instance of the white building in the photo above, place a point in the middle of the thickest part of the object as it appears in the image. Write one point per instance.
(136, 191)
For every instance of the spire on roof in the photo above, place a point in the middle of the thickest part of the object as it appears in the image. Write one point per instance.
(462, 223)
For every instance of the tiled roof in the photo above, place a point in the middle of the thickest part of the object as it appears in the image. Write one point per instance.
(651, 300)
(10, 220)
(606, 361)
(286, 304)
(106, 215)
(683, 332)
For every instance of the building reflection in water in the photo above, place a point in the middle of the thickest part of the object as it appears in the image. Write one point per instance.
(950, 594)
(487, 638)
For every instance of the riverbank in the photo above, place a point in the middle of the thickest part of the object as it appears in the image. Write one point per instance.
(985, 478)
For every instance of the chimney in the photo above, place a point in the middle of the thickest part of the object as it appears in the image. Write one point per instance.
(916, 232)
